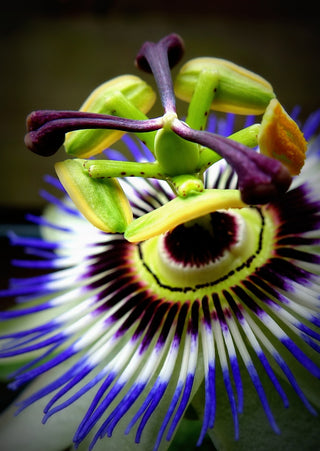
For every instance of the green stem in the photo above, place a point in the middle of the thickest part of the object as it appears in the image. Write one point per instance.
(207, 158)
(248, 136)
(112, 168)
(202, 98)
(122, 107)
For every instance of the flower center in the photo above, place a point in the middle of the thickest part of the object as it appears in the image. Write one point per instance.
(204, 251)
(201, 242)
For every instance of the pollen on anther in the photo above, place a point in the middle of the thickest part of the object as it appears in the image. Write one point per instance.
(281, 138)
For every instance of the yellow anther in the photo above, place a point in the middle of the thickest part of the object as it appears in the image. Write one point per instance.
(281, 138)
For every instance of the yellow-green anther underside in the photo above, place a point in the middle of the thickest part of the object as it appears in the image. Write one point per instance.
(238, 90)
(102, 202)
(125, 96)
(180, 210)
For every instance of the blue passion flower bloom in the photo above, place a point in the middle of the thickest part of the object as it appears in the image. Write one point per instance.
(197, 274)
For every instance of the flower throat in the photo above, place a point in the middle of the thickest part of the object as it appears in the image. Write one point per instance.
(200, 242)
(204, 252)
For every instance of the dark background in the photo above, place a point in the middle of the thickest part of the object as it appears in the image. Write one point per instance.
(54, 52)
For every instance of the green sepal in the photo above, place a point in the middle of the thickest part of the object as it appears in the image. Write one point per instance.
(238, 90)
(102, 202)
(125, 96)
(180, 210)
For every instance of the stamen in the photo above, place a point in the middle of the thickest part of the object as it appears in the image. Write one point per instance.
(159, 58)
(46, 129)
(280, 138)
